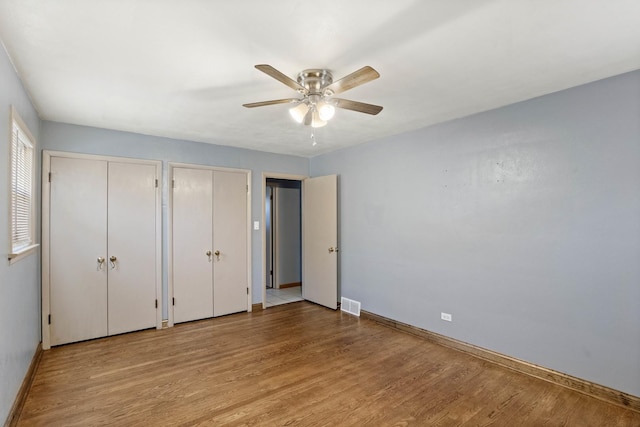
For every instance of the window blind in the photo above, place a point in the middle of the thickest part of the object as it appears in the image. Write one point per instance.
(21, 188)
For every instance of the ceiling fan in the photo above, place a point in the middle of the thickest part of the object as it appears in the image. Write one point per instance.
(316, 86)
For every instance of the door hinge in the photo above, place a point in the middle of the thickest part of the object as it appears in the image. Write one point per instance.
(156, 303)
(173, 301)
(173, 183)
(49, 176)
(49, 319)
(247, 188)
(247, 291)
(156, 183)
(271, 272)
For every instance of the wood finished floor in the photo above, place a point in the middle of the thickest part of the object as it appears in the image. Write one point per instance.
(295, 364)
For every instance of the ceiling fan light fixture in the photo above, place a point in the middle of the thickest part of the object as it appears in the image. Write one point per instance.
(316, 121)
(326, 110)
(299, 111)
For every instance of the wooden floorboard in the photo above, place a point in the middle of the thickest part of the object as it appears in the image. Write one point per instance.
(294, 364)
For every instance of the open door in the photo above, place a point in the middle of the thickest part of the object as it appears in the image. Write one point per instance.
(320, 240)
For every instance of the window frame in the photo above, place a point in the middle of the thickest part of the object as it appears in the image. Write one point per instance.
(25, 138)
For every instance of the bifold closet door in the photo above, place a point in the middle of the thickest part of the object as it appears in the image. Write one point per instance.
(78, 241)
(192, 210)
(230, 242)
(132, 246)
(209, 234)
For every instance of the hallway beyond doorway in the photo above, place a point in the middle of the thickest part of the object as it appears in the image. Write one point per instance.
(283, 296)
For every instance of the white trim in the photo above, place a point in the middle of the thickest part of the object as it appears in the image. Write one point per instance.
(275, 242)
(46, 200)
(206, 167)
(17, 255)
(169, 238)
(22, 253)
(274, 175)
(16, 116)
(249, 235)
(170, 288)
(73, 155)
(46, 299)
(159, 261)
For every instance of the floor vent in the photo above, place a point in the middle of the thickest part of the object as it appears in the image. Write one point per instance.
(350, 306)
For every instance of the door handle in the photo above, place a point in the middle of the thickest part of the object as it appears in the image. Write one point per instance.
(112, 260)
(332, 250)
(217, 254)
(100, 261)
(208, 253)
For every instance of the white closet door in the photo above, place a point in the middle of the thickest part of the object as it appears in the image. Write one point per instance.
(132, 241)
(230, 239)
(78, 238)
(320, 240)
(192, 240)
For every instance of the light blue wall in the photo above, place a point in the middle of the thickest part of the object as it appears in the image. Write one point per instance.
(19, 282)
(81, 139)
(522, 222)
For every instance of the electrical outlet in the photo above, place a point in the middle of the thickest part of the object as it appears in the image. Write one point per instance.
(446, 316)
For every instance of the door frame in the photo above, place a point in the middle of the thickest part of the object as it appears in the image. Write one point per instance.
(270, 265)
(170, 167)
(274, 175)
(46, 223)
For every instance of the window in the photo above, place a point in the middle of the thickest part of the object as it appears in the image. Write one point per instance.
(22, 194)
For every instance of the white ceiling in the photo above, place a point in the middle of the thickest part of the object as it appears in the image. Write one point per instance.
(183, 69)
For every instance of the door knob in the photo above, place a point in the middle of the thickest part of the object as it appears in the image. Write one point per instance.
(217, 254)
(208, 253)
(100, 263)
(331, 250)
(112, 260)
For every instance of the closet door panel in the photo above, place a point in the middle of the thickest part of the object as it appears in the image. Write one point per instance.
(78, 238)
(132, 241)
(192, 240)
(230, 239)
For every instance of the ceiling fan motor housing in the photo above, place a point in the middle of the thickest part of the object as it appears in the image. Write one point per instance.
(315, 79)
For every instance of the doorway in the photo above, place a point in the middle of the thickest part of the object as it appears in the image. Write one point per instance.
(319, 251)
(283, 241)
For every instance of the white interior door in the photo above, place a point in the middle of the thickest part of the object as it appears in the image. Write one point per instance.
(229, 242)
(192, 210)
(320, 240)
(132, 243)
(78, 239)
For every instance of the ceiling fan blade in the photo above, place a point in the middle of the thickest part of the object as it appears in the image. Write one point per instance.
(357, 78)
(269, 70)
(360, 107)
(274, 102)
